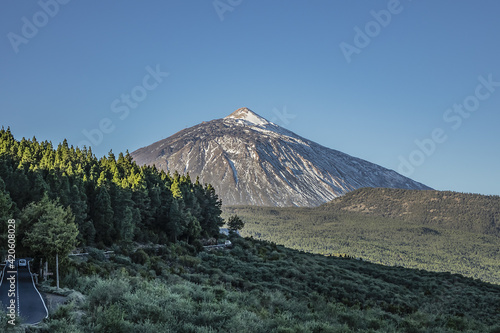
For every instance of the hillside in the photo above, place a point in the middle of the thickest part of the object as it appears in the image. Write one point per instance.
(432, 230)
(259, 287)
(452, 210)
(250, 160)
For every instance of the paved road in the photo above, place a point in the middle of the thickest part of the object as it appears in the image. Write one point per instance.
(29, 304)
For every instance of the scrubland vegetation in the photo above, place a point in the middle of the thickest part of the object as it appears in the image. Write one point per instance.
(257, 286)
(432, 230)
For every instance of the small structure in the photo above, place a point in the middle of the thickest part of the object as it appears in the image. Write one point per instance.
(225, 231)
(226, 244)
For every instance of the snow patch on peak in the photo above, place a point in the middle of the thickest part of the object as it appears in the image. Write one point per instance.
(246, 117)
(249, 116)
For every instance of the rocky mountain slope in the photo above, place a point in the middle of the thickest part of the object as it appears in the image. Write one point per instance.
(252, 161)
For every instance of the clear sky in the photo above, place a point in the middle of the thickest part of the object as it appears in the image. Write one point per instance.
(411, 85)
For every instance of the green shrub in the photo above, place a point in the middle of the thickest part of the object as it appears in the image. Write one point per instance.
(121, 259)
(77, 298)
(63, 325)
(5, 326)
(107, 292)
(189, 261)
(112, 320)
(140, 257)
(96, 254)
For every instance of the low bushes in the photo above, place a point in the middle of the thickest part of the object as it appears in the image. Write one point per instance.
(260, 287)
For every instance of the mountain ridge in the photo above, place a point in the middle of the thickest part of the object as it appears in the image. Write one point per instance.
(250, 160)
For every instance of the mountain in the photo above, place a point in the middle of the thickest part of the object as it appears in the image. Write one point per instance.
(250, 160)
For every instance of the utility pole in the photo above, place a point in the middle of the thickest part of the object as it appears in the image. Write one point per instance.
(57, 270)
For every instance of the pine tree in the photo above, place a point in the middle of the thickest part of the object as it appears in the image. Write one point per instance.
(102, 216)
(6, 212)
(235, 223)
(175, 225)
(122, 213)
(193, 228)
(211, 211)
(6, 204)
(176, 189)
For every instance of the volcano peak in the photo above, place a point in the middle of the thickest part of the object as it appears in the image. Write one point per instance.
(248, 115)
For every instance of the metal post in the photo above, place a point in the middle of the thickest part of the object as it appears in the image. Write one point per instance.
(57, 270)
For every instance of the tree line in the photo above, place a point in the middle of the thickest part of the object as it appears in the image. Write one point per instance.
(110, 199)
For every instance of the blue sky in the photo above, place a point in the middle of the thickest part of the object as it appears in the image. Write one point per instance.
(410, 85)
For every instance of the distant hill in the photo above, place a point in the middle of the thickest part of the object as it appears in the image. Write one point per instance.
(459, 211)
(432, 230)
(252, 161)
